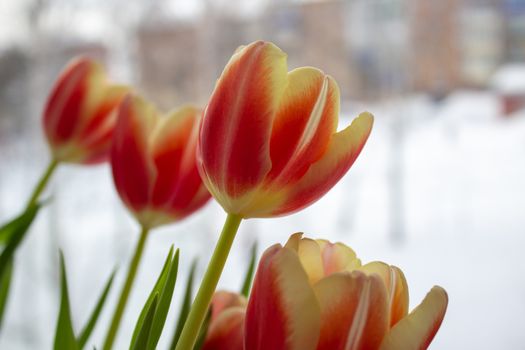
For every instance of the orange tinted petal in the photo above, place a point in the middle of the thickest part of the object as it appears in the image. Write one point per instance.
(354, 311)
(416, 331)
(337, 257)
(342, 151)
(304, 124)
(396, 285)
(283, 313)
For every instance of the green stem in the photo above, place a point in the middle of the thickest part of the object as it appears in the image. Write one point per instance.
(124, 294)
(200, 306)
(42, 182)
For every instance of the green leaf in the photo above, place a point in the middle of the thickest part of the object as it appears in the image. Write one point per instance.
(163, 291)
(164, 302)
(156, 289)
(64, 335)
(203, 331)
(6, 231)
(5, 281)
(14, 232)
(90, 325)
(185, 308)
(143, 333)
(247, 284)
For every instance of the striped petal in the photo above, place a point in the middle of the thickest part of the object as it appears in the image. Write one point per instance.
(309, 254)
(173, 149)
(283, 313)
(342, 151)
(133, 170)
(354, 311)
(304, 124)
(226, 331)
(416, 331)
(396, 285)
(64, 105)
(235, 132)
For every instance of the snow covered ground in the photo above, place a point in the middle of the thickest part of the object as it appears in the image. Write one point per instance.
(439, 191)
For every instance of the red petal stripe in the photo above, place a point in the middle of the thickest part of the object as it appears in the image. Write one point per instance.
(354, 311)
(132, 170)
(237, 123)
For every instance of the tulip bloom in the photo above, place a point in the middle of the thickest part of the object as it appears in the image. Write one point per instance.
(80, 113)
(268, 146)
(268, 143)
(153, 162)
(317, 295)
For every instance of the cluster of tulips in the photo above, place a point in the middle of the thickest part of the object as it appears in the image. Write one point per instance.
(265, 145)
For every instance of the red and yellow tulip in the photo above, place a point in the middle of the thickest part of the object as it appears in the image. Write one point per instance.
(316, 295)
(153, 162)
(268, 143)
(80, 113)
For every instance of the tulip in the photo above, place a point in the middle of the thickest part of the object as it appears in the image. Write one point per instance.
(316, 295)
(153, 160)
(320, 296)
(80, 113)
(78, 121)
(268, 146)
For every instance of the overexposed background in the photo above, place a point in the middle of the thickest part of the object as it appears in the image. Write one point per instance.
(439, 189)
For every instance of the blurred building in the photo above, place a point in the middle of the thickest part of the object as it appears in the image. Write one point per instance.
(436, 54)
(169, 63)
(481, 44)
(514, 14)
(313, 33)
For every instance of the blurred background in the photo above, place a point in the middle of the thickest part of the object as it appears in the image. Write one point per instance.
(439, 189)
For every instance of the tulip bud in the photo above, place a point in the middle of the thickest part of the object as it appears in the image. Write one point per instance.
(153, 162)
(268, 144)
(227, 322)
(80, 113)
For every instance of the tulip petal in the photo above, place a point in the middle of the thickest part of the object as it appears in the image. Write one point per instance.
(63, 107)
(416, 331)
(283, 313)
(309, 255)
(236, 128)
(226, 331)
(133, 171)
(173, 149)
(354, 311)
(223, 300)
(343, 150)
(96, 133)
(337, 257)
(396, 285)
(304, 124)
